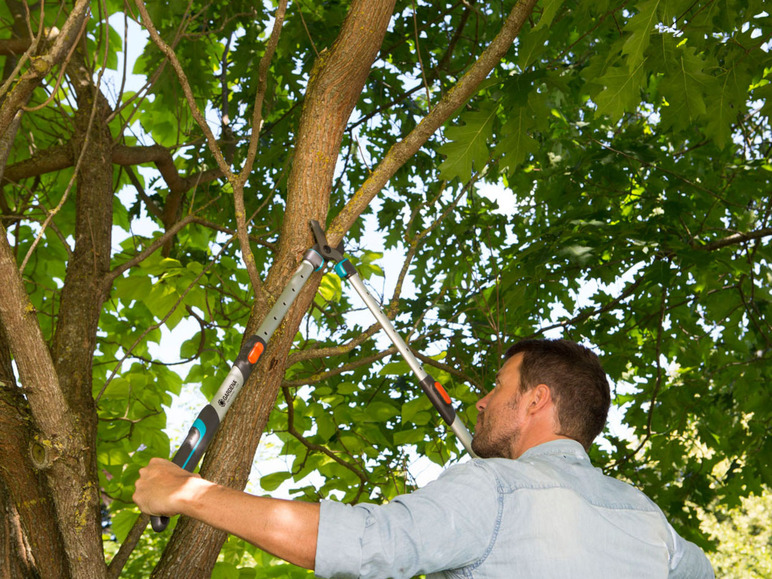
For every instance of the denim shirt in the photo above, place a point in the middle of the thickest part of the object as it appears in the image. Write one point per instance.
(548, 514)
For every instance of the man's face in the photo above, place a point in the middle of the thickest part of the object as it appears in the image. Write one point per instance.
(499, 422)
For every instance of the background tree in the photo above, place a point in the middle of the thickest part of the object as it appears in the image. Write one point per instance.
(633, 137)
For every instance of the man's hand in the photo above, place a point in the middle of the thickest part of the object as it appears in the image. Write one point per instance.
(163, 488)
(286, 529)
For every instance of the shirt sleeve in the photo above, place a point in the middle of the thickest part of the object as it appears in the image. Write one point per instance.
(688, 561)
(448, 524)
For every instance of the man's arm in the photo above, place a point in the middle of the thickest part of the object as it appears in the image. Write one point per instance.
(688, 561)
(286, 529)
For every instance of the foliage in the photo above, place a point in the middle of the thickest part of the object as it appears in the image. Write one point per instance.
(743, 536)
(629, 142)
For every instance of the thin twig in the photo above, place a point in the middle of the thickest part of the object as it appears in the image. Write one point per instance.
(27, 53)
(183, 80)
(308, 33)
(238, 182)
(420, 59)
(316, 447)
(62, 72)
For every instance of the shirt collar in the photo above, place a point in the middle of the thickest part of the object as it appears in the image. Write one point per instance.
(562, 446)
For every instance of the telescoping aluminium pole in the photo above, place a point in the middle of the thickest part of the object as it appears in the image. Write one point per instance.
(200, 434)
(431, 387)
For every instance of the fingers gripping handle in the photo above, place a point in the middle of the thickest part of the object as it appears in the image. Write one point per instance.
(192, 449)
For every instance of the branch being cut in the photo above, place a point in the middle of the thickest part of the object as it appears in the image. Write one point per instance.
(399, 154)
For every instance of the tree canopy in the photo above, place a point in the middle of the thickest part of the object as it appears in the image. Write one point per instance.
(631, 139)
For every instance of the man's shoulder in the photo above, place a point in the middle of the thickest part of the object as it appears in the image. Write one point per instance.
(561, 472)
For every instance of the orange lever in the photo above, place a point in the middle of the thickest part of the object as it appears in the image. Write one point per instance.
(438, 387)
(257, 351)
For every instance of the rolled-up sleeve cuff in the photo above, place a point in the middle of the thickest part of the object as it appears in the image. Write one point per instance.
(338, 544)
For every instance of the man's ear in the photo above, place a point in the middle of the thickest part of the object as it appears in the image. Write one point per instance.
(540, 397)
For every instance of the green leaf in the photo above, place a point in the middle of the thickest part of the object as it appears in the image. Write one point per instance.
(122, 522)
(330, 288)
(726, 104)
(516, 144)
(530, 46)
(413, 436)
(398, 368)
(412, 408)
(271, 482)
(468, 148)
(685, 87)
(764, 93)
(549, 9)
(325, 426)
(224, 570)
(622, 92)
(640, 29)
(381, 411)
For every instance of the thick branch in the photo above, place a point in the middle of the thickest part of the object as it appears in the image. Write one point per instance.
(333, 90)
(53, 159)
(14, 46)
(61, 157)
(28, 346)
(737, 238)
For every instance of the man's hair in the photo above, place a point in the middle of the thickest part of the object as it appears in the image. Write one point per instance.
(576, 379)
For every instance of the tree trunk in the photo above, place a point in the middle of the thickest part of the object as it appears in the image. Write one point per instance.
(30, 537)
(30, 543)
(335, 85)
(75, 338)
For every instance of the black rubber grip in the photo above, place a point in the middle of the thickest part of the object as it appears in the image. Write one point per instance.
(439, 397)
(243, 362)
(192, 449)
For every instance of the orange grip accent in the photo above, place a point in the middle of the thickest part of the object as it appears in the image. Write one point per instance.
(438, 387)
(256, 352)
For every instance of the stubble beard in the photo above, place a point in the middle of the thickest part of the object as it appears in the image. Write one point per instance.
(489, 444)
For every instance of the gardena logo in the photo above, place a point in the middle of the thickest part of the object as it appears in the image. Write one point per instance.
(227, 394)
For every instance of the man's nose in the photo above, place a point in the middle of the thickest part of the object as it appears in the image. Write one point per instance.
(482, 402)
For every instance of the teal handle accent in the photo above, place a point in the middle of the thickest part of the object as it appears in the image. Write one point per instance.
(201, 427)
(340, 269)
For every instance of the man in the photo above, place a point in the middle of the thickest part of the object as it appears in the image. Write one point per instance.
(531, 506)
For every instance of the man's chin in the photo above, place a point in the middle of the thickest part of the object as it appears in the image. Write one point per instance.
(485, 448)
(481, 450)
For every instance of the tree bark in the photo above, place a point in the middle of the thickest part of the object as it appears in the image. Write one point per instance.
(58, 386)
(333, 90)
(31, 79)
(30, 543)
(30, 529)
